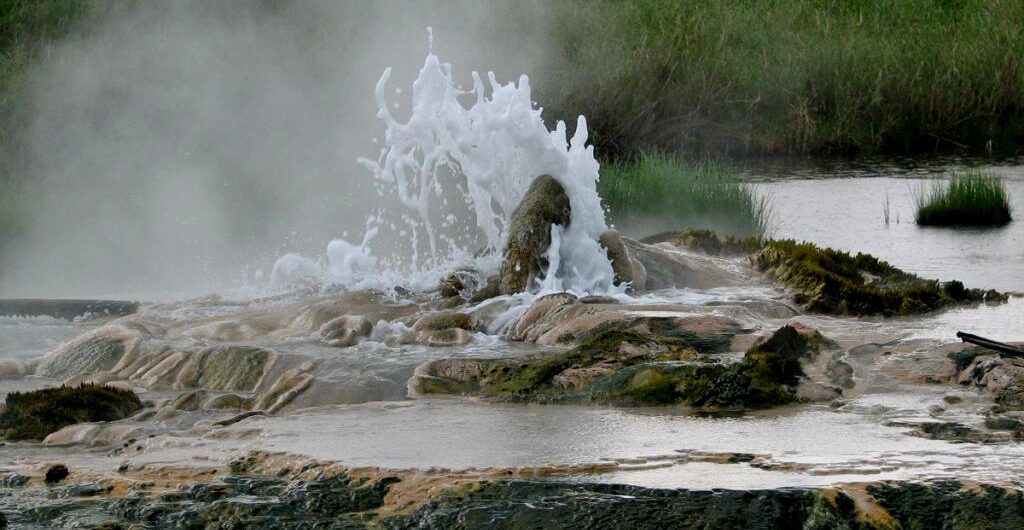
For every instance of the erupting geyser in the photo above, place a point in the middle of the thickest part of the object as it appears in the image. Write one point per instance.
(478, 161)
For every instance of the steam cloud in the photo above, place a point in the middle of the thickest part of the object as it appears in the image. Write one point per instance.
(179, 147)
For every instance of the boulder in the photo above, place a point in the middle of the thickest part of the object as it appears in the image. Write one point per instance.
(345, 330)
(529, 233)
(628, 270)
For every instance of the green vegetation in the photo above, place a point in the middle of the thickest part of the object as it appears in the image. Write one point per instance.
(831, 281)
(607, 368)
(34, 415)
(801, 76)
(970, 198)
(657, 192)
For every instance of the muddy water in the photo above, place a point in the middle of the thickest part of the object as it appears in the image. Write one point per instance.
(844, 205)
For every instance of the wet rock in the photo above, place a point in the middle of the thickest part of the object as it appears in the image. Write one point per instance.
(529, 233)
(622, 365)
(445, 337)
(285, 389)
(442, 321)
(188, 401)
(231, 368)
(445, 329)
(36, 414)
(1000, 377)
(56, 473)
(468, 284)
(541, 312)
(100, 350)
(627, 269)
(345, 330)
(707, 241)
(226, 402)
(13, 480)
(830, 281)
(259, 502)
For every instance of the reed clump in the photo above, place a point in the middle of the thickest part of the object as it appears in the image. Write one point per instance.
(969, 198)
(656, 192)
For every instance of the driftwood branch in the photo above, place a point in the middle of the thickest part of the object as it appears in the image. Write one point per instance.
(1003, 348)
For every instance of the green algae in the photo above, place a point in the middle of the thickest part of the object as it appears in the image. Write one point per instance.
(623, 367)
(34, 415)
(831, 281)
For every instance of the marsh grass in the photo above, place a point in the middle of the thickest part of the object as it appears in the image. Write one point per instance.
(656, 192)
(969, 198)
(800, 76)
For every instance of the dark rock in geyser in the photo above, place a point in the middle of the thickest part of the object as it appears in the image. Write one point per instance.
(34, 415)
(56, 474)
(529, 233)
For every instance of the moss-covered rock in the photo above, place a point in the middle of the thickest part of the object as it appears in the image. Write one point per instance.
(529, 233)
(831, 281)
(34, 415)
(620, 365)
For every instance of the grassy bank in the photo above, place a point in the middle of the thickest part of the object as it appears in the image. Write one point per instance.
(799, 76)
(970, 198)
(655, 192)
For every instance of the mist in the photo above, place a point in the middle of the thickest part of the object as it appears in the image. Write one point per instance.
(179, 148)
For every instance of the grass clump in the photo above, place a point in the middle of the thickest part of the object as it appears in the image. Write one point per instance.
(34, 415)
(970, 198)
(656, 192)
(831, 281)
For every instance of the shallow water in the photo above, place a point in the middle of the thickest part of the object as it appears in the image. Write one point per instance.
(843, 206)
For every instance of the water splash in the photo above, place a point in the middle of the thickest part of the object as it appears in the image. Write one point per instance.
(458, 172)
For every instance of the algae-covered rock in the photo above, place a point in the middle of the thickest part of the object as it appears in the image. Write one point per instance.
(34, 415)
(529, 233)
(830, 281)
(633, 366)
(232, 368)
(628, 270)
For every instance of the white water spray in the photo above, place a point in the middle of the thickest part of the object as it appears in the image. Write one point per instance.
(486, 155)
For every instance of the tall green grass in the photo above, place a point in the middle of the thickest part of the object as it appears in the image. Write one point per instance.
(657, 192)
(740, 77)
(970, 198)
